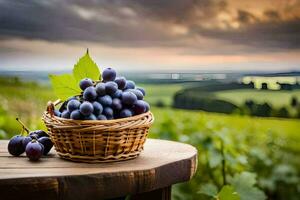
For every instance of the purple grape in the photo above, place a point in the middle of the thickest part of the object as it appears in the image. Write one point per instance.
(73, 105)
(38, 134)
(100, 89)
(105, 100)
(128, 98)
(98, 108)
(101, 117)
(34, 150)
(117, 94)
(15, 146)
(64, 105)
(65, 114)
(90, 94)
(138, 93)
(139, 107)
(116, 104)
(25, 141)
(125, 113)
(108, 112)
(111, 87)
(86, 108)
(108, 74)
(129, 85)
(121, 81)
(90, 117)
(142, 90)
(76, 115)
(57, 113)
(85, 83)
(47, 143)
(147, 106)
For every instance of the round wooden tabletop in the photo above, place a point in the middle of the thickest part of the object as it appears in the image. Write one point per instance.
(161, 164)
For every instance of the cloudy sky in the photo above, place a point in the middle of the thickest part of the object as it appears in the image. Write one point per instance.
(151, 34)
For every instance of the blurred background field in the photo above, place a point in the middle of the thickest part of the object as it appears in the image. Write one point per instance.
(266, 146)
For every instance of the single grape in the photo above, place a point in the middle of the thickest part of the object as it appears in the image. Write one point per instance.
(47, 143)
(108, 112)
(128, 98)
(116, 104)
(85, 83)
(90, 117)
(138, 93)
(86, 108)
(147, 106)
(106, 100)
(65, 114)
(64, 104)
(25, 141)
(101, 117)
(117, 94)
(73, 105)
(126, 113)
(129, 85)
(142, 90)
(15, 146)
(121, 81)
(108, 74)
(111, 87)
(57, 113)
(34, 150)
(90, 94)
(98, 108)
(100, 89)
(76, 115)
(38, 134)
(139, 107)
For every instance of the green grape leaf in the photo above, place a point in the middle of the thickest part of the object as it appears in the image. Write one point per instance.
(209, 190)
(228, 193)
(64, 85)
(244, 183)
(86, 68)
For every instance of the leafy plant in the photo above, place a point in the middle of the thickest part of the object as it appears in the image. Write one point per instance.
(66, 85)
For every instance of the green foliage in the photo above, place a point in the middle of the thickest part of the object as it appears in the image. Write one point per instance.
(209, 189)
(66, 85)
(243, 184)
(86, 68)
(228, 193)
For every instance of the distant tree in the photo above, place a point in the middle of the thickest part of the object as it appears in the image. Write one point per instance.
(264, 86)
(249, 103)
(251, 84)
(298, 111)
(160, 103)
(294, 101)
(262, 110)
(283, 112)
(286, 86)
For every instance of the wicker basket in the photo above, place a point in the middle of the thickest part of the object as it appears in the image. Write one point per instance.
(95, 140)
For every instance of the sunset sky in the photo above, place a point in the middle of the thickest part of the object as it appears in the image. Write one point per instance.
(151, 34)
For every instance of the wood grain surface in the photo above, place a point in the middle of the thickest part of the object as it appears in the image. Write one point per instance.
(161, 164)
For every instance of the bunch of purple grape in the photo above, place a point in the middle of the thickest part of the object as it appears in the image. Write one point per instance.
(112, 98)
(35, 144)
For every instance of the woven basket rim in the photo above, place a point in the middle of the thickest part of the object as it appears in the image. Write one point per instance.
(132, 118)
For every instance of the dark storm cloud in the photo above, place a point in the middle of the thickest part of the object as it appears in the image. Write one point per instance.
(142, 23)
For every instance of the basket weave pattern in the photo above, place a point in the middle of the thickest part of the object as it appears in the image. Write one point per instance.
(96, 140)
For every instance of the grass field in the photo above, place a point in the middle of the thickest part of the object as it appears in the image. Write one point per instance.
(163, 92)
(276, 98)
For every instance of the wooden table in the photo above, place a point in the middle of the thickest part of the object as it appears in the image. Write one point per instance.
(150, 176)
